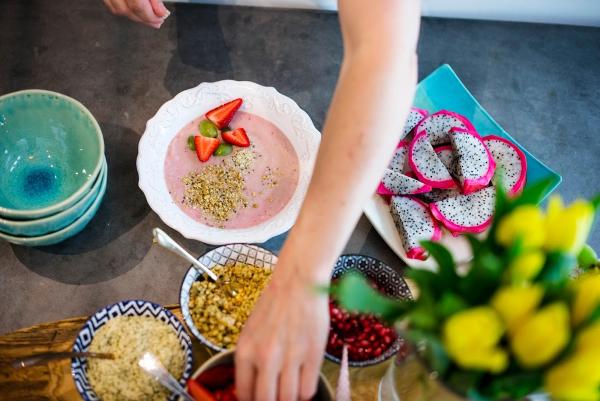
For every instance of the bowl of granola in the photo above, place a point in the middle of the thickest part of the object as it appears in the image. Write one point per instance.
(215, 312)
(228, 162)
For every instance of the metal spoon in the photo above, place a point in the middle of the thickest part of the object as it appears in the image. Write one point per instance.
(151, 365)
(41, 359)
(162, 238)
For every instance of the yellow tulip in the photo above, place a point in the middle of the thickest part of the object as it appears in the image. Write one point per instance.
(588, 339)
(515, 304)
(567, 229)
(471, 337)
(587, 296)
(525, 222)
(542, 336)
(526, 266)
(575, 379)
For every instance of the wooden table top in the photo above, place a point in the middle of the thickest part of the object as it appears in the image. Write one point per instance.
(53, 381)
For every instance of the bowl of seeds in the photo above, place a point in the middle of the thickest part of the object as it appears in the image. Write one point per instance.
(215, 312)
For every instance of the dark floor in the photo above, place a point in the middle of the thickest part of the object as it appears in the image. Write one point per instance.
(540, 82)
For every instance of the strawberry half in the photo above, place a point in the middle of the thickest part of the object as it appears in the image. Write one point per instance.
(222, 115)
(205, 147)
(237, 137)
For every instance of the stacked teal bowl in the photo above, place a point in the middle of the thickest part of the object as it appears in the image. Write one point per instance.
(53, 172)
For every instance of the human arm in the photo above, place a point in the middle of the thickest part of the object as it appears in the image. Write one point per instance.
(148, 12)
(280, 350)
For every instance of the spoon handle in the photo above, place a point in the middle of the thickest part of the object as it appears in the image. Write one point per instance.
(151, 365)
(162, 238)
(40, 359)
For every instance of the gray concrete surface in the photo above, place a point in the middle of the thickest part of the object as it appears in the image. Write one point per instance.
(540, 82)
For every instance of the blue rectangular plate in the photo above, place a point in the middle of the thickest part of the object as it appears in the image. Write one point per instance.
(441, 90)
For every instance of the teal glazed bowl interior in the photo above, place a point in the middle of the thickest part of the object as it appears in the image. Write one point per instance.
(55, 222)
(66, 232)
(51, 151)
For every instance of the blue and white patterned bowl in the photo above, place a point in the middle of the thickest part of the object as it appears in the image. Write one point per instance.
(388, 279)
(124, 308)
(226, 255)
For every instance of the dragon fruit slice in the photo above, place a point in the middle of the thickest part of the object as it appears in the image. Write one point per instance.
(446, 155)
(466, 213)
(438, 126)
(437, 194)
(394, 183)
(474, 166)
(510, 162)
(414, 223)
(425, 164)
(399, 162)
(414, 118)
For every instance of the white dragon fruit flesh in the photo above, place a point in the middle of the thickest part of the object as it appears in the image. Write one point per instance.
(394, 183)
(511, 163)
(414, 223)
(438, 125)
(399, 161)
(437, 194)
(415, 116)
(470, 213)
(473, 163)
(426, 165)
(446, 155)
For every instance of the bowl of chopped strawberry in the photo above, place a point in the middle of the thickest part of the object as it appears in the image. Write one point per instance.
(215, 381)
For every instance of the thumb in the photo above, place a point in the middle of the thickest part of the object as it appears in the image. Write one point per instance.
(159, 8)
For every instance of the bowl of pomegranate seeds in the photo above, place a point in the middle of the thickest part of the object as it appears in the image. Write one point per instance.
(215, 380)
(370, 341)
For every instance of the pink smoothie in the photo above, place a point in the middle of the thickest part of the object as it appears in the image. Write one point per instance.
(269, 183)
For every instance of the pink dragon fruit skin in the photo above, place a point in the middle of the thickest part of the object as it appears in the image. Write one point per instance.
(514, 171)
(415, 116)
(425, 164)
(470, 213)
(438, 125)
(394, 183)
(408, 210)
(474, 164)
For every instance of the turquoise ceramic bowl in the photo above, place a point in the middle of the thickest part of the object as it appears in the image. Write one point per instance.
(51, 152)
(66, 232)
(55, 222)
(442, 89)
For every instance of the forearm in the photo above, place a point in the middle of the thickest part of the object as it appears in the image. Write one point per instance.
(362, 129)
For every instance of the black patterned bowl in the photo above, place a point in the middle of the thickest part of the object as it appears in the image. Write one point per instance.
(124, 308)
(388, 280)
(226, 255)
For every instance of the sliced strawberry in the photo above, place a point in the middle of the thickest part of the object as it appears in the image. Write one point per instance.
(205, 147)
(198, 392)
(217, 377)
(237, 137)
(222, 115)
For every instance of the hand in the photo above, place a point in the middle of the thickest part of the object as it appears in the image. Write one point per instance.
(280, 349)
(149, 12)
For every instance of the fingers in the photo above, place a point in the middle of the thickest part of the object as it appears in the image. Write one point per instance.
(288, 383)
(244, 375)
(143, 10)
(148, 12)
(159, 8)
(309, 376)
(266, 384)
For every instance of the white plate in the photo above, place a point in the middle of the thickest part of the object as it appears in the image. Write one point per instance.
(378, 212)
(192, 103)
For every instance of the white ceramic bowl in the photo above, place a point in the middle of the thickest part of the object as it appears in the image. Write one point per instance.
(192, 103)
